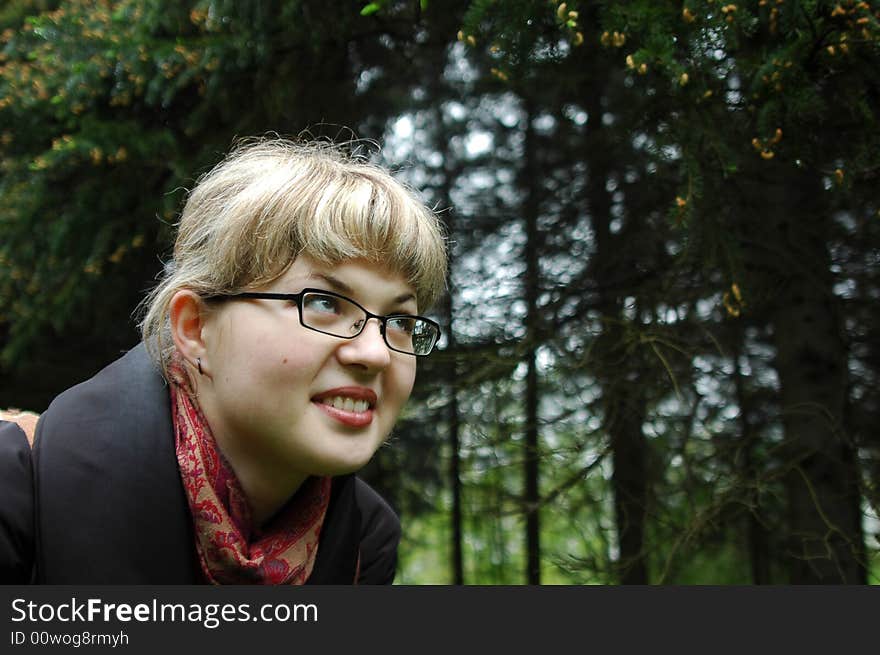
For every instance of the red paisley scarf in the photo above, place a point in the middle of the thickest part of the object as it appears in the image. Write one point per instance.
(284, 553)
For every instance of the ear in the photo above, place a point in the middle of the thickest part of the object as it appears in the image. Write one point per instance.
(187, 314)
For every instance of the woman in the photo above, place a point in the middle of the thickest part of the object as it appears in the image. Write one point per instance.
(278, 351)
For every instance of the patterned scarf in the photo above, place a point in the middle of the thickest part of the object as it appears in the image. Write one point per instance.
(284, 553)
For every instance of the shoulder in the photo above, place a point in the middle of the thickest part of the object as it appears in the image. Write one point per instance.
(17, 506)
(110, 506)
(126, 384)
(107, 413)
(105, 425)
(380, 536)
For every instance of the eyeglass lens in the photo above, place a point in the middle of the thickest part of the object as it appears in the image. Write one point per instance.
(342, 318)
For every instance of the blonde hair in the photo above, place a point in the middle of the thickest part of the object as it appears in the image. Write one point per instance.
(270, 201)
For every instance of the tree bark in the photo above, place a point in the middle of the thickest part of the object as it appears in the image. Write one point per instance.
(616, 367)
(453, 422)
(625, 413)
(756, 533)
(532, 285)
(455, 482)
(825, 534)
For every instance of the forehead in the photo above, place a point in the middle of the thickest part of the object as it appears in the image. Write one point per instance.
(361, 279)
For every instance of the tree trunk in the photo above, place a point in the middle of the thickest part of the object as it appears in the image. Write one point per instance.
(616, 367)
(625, 413)
(532, 280)
(453, 423)
(453, 419)
(825, 536)
(756, 533)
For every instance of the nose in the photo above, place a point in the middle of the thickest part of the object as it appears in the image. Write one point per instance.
(367, 350)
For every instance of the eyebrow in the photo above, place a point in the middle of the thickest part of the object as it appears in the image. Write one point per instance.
(342, 287)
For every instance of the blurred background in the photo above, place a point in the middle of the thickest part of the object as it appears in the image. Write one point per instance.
(661, 331)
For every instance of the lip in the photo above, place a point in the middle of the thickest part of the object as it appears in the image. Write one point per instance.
(351, 419)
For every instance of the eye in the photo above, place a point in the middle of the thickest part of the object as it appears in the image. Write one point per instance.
(405, 324)
(315, 302)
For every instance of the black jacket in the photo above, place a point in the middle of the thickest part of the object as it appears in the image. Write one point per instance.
(16, 506)
(110, 506)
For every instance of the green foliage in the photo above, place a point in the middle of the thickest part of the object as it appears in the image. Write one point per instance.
(521, 35)
(640, 133)
(109, 109)
(373, 8)
(745, 103)
(758, 81)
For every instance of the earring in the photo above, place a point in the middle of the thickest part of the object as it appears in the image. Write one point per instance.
(199, 364)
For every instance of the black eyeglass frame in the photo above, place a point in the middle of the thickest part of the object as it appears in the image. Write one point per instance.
(298, 297)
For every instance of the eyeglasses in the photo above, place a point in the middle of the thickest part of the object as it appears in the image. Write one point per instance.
(338, 316)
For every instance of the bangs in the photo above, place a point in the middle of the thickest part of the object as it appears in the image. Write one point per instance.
(331, 214)
(361, 218)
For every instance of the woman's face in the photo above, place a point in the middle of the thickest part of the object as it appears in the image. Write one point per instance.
(271, 384)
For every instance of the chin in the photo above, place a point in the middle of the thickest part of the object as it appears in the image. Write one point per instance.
(353, 466)
(349, 463)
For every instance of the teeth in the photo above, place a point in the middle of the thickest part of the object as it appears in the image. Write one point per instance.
(347, 404)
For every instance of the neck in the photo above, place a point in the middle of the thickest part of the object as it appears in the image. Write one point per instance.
(266, 491)
(267, 481)
(267, 484)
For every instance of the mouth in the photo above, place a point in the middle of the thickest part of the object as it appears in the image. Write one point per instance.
(351, 406)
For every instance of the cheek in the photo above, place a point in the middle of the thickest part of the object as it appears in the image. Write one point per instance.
(263, 360)
(403, 380)
(291, 362)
